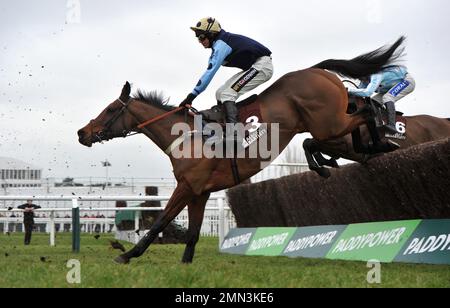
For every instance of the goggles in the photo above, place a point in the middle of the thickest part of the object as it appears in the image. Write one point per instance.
(201, 36)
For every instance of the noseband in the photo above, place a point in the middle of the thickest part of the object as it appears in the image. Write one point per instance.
(106, 133)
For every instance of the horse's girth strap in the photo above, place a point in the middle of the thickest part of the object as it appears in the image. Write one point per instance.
(235, 170)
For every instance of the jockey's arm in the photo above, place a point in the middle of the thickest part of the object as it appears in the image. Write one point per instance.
(375, 81)
(221, 50)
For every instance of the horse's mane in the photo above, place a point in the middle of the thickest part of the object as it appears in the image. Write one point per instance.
(154, 98)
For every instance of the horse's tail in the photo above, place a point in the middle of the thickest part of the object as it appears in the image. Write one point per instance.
(367, 64)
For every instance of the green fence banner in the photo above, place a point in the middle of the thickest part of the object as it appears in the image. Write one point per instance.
(409, 241)
(270, 241)
(237, 241)
(430, 243)
(377, 241)
(312, 242)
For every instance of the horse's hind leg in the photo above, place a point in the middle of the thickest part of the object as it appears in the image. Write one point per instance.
(180, 197)
(309, 145)
(196, 212)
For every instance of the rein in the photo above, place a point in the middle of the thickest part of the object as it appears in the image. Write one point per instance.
(158, 118)
(350, 82)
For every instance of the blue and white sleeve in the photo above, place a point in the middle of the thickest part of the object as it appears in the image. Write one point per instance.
(375, 81)
(221, 50)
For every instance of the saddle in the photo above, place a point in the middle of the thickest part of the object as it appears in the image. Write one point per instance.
(217, 113)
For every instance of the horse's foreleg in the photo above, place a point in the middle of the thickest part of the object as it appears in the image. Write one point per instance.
(196, 212)
(180, 197)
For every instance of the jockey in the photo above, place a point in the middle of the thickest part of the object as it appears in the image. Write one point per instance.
(391, 85)
(231, 50)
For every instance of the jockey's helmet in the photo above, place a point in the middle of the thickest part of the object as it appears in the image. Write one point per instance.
(208, 26)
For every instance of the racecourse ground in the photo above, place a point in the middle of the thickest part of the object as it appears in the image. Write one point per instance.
(39, 265)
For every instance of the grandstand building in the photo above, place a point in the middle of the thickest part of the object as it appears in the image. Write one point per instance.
(16, 174)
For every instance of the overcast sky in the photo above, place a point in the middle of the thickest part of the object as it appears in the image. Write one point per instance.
(62, 62)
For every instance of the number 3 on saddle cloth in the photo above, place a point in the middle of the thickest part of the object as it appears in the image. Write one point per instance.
(249, 116)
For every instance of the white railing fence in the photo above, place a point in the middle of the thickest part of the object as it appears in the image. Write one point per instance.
(218, 222)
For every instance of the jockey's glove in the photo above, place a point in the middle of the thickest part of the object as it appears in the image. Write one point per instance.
(188, 100)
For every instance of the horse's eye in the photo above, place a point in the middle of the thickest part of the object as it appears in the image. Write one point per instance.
(110, 110)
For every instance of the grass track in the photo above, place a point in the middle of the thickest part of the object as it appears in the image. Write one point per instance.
(160, 267)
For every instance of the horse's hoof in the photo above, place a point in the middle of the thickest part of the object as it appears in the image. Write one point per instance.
(334, 164)
(323, 172)
(122, 260)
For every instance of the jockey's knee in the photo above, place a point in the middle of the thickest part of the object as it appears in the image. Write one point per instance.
(226, 95)
(412, 84)
(219, 94)
(389, 98)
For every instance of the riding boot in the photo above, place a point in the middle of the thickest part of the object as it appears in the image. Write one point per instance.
(391, 115)
(231, 117)
(231, 112)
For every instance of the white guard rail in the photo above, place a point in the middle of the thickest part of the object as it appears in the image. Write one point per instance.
(220, 199)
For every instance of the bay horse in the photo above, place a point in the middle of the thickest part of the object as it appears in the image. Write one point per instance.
(311, 100)
(419, 129)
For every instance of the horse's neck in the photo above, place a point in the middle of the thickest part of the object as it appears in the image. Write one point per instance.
(159, 132)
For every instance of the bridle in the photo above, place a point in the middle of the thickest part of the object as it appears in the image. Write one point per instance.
(106, 133)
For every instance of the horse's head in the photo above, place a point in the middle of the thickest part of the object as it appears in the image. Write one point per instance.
(114, 121)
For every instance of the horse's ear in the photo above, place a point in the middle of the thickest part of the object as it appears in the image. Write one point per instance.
(125, 91)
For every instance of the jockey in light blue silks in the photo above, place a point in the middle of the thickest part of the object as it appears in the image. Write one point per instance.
(391, 85)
